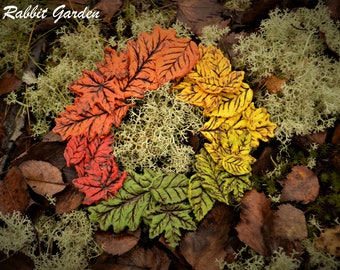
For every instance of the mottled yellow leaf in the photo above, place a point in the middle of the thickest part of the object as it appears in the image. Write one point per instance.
(210, 81)
(232, 106)
(258, 123)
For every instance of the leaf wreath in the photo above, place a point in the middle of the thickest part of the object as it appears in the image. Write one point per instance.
(148, 62)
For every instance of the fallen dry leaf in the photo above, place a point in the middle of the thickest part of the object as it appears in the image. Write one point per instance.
(117, 244)
(8, 83)
(301, 185)
(17, 261)
(42, 177)
(255, 215)
(14, 192)
(68, 200)
(289, 223)
(197, 13)
(334, 8)
(108, 8)
(265, 160)
(274, 84)
(203, 247)
(329, 241)
(305, 141)
(336, 135)
(51, 152)
(137, 258)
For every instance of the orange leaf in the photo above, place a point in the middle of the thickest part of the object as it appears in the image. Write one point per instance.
(93, 88)
(178, 59)
(94, 121)
(143, 54)
(116, 64)
(147, 62)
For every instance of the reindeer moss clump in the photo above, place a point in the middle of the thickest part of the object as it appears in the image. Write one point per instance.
(155, 132)
(15, 40)
(16, 233)
(293, 46)
(62, 242)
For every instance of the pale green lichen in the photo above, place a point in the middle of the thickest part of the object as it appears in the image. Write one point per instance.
(15, 40)
(16, 232)
(155, 132)
(62, 242)
(319, 259)
(238, 5)
(72, 234)
(290, 45)
(138, 23)
(247, 258)
(211, 34)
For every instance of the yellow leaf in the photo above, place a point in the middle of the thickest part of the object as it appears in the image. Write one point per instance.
(232, 106)
(210, 81)
(194, 94)
(257, 121)
(224, 123)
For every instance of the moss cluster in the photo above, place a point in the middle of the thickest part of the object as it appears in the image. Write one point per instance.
(16, 233)
(154, 133)
(290, 45)
(238, 5)
(59, 242)
(15, 41)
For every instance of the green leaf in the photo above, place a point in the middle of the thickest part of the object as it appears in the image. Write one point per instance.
(170, 219)
(218, 184)
(128, 206)
(199, 199)
(238, 164)
(170, 188)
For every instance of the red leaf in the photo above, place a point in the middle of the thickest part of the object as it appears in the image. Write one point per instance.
(100, 149)
(80, 152)
(101, 181)
(75, 150)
